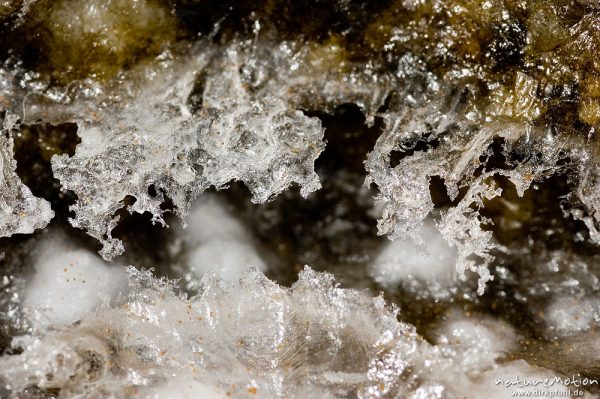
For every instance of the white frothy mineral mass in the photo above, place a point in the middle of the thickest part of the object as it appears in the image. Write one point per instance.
(568, 315)
(20, 211)
(216, 242)
(424, 271)
(481, 339)
(68, 283)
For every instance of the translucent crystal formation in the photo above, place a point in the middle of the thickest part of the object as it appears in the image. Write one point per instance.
(254, 338)
(20, 211)
(447, 133)
(153, 144)
(465, 131)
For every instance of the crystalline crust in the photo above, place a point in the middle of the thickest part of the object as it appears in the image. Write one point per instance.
(243, 129)
(20, 211)
(252, 338)
(223, 113)
(458, 127)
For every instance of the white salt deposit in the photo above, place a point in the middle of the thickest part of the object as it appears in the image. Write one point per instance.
(69, 283)
(429, 269)
(571, 315)
(480, 340)
(475, 344)
(217, 242)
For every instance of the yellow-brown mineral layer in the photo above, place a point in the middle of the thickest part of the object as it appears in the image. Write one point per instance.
(97, 38)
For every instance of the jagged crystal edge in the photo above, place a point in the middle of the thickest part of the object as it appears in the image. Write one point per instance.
(242, 130)
(252, 337)
(458, 133)
(20, 211)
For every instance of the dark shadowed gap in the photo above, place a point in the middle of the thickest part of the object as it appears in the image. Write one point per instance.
(334, 229)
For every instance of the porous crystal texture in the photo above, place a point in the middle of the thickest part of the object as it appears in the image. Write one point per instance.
(155, 144)
(448, 133)
(285, 136)
(20, 211)
(212, 114)
(254, 338)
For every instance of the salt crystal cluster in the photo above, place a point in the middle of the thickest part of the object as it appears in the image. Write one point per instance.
(456, 134)
(471, 114)
(254, 338)
(68, 283)
(153, 144)
(20, 211)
